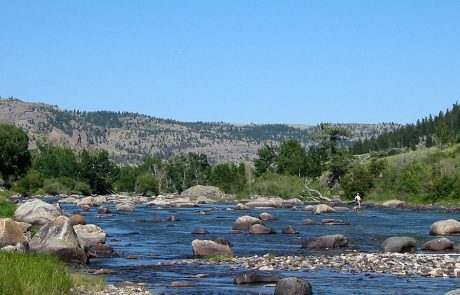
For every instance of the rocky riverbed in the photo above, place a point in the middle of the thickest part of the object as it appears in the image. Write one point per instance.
(432, 265)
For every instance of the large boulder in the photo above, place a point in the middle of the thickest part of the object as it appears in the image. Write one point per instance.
(292, 202)
(241, 206)
(210, 192)
(323, 208)
(254, 278)
(445, 227)
(260, 229)
(400, 245)
(11, 233)
(68, 200)
(326, 242)
(59, 238)
(438, 245)
(393, 204)
(264, 202)
(203, 248)
(37, 212)
(86, 202)
(292, 286)
(127, 207)
(77, 219)
(245, 222)
(89, 235)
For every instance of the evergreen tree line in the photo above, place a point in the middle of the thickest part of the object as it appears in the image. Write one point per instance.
(441, 130)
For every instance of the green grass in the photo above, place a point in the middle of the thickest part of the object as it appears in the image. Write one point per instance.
(7, 208)
(276, 185)
(89, 283)
(220, 258)
(32, 274)
(37, 274)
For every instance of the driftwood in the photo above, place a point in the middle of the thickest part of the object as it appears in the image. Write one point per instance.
(310, 190)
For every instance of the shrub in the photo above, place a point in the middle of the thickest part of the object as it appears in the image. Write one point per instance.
(32, 181)
(277, 185)
(81, 188)
(147, 185)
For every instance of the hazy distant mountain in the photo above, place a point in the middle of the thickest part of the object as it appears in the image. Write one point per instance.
(130, 137)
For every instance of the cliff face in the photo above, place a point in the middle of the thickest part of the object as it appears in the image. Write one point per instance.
(130, 137)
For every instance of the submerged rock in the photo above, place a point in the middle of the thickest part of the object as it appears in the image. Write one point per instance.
(400, 245)
(326, 242)
(292, 286)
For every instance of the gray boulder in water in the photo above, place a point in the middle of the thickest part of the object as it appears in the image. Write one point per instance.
(37, 212)
(438, 245)
(203, 248)
(254, 278)
(245, 222)
(59, 238)
(445, 227)
(400, 245)
(260, 229)
(292, 286)
(326, 242)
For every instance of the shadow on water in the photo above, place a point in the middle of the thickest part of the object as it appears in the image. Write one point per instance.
(156, 242)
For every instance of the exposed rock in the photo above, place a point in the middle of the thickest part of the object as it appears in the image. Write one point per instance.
(326, 242)
(445, 227)
(203, 248)
(37, 212)
(323, 208)
(68, 200)
(264, 202)
(200, 232)
(292, 286)
(11, 233)
(171, 219)
(183, 205)
(309, 208)
(59, 238)
(266, 216)
(453, 292)
(100, 251)
(400, 245)
(128, 207)
(393, 204)
(24, 226)
(290, 230)
(292, 202)
(245, 222)
(89, 235)
(333, 222)
(254, 278)
(210, 192)
(309, 222)
(260, 229)
(241, 206)
(438, 245)
(77, 219)
(204, 200)
(87, 201)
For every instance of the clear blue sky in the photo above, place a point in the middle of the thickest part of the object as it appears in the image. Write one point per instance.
(237, 60)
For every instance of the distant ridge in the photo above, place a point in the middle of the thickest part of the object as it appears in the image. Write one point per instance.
(130, 137)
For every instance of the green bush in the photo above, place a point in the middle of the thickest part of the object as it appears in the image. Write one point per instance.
(147, 185)
(7, 209)
(81, 188)
(32, 274)
(32, 181)
(277, 185)
(54, 187)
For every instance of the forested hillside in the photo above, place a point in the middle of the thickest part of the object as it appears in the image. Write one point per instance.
(131, 137)
(441, 130)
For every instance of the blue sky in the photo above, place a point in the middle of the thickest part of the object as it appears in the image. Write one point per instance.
(235, 61)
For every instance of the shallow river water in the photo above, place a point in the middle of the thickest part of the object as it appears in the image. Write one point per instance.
(170, 241)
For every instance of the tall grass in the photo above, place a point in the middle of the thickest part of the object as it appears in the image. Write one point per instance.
(276, 185)
(38, 274)
(7, 208)
(32, 274)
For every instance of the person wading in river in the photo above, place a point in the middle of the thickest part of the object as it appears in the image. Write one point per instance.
(358, 201)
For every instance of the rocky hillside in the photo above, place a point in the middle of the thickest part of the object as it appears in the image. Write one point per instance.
(130, 137)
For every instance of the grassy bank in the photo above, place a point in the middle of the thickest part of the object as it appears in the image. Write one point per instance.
(37, 274)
